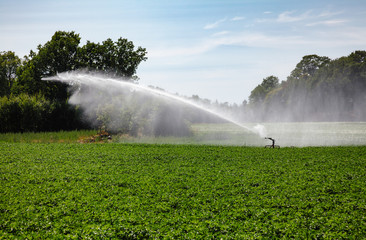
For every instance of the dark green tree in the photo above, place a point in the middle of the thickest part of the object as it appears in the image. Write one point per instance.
(297, 92)
(90, 56)
(9, 64)
(269, 83)
(308, 66)
(62, 53)
(57, 55)
(317, 89)
(119, 59)
(341, 87)
(259, 93)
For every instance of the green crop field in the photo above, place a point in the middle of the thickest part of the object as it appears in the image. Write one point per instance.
(142, 191)
(298, 134)
(47, 137)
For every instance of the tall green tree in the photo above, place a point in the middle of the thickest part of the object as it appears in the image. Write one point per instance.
(317, 89)
(57, 55)
(259, 93)
(9, 64)
(270, 83)
(62, 53)
(119, 59)
(297, 92)
(258, 96)
(341, 85)
(308, 66)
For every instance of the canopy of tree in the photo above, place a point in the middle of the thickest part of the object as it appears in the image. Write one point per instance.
(22, 80)
(318, 89)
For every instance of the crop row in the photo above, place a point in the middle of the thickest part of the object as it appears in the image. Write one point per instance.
(139, 191)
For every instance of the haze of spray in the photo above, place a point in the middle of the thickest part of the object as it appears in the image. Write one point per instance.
(98, 92)
(111, 85)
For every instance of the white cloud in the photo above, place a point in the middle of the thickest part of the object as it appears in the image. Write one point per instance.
(328, 22)
(194, 49)
(220, 33)
(318, 39)
(288, 16)
(237, 18)
(215, 24)
(300, 36)
(258, 39)
(253, 39)
(329, 14)
(323, 18)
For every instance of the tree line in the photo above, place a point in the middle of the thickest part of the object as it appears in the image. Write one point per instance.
(318, 89)
(27, 103)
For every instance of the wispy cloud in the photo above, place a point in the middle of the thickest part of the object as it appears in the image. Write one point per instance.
(179, 51)
(328, 22)
(323, 18)
(237, 18)
(258, 39)
(215, 24)
(289, 16)
(220, 33)
(299, 35)
(329, 14)
(252, 39)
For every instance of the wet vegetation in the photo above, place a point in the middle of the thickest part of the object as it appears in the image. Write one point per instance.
(139, 191)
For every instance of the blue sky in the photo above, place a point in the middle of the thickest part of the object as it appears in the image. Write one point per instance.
(220, 50)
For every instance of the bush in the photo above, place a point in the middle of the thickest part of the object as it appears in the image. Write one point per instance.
(25, 113)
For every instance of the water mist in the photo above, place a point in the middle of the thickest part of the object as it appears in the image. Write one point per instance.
(88, 88)
(126, 106)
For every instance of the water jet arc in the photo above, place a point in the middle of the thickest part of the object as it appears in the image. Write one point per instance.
(100, 81)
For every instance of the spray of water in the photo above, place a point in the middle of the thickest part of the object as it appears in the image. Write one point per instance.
(97, 92)
(111, 84)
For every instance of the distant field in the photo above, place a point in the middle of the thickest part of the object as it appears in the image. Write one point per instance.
(137, 191)
(286, 134)
(47, 137)
(318, 133)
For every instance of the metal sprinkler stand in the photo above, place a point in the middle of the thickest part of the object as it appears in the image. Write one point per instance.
(273, 143)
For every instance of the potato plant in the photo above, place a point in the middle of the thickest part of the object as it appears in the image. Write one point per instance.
(143, 191)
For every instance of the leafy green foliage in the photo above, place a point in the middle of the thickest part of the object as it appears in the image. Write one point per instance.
(9, 63)
(62, 53)
(318, 89)
(57, 55)
(259, 93)
(36, 113)
(115, 58)
(181, 191)
(308, 66)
